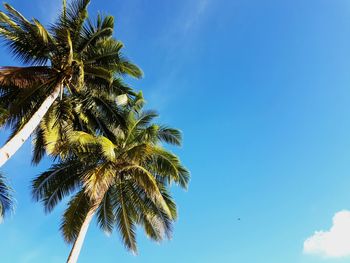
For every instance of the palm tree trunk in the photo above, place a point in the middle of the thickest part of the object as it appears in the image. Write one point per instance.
(11, 147)
(74, 253)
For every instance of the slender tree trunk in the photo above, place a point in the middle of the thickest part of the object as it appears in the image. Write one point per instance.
(11, 147)
(78, 244)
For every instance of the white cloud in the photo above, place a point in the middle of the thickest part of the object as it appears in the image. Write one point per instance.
(334, 243)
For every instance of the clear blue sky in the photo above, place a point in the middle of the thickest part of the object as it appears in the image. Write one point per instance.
(261, 90)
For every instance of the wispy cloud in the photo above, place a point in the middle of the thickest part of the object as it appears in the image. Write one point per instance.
(195, 16)
(186, 23)
(334, 243)
(179, 40)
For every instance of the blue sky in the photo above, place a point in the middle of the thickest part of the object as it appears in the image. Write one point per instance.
(261, 90)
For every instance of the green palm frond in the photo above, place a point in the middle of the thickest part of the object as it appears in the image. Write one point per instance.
(126, 67)
(168, 200)
(110, 110)
(99, 73)
(74, 216)
(72, 19)
(168, 165)
(146, 180)
(137, 152)
(184, 176)
(136, 123)
(169, 135)
(124, 220)
(6, 198)
(57, 183)
(38, 145)
(144, 119)
(81, 139)
(137, 102)
(106, 51)
(107, 148)
(105, 213)
(28, 40)
(92, 33)
(165, 164)
(156, 223)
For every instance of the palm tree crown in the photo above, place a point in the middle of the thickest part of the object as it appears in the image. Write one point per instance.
(74, 58)
(124, 180)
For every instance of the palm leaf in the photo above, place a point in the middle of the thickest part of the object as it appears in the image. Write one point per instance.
(169, 135)
(105, 214)
(25, 77)
(6, 198)
(28, 40)
(148, 212)
(146, 180)
(58, 182)
(126, 67)
(91, 33)
(74, 17)
(124, 220)
(98, 179)
(74, 216)
(39, 145)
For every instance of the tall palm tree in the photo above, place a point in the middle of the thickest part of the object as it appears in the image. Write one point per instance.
(6, 198)
(73, 56)
(123, 180)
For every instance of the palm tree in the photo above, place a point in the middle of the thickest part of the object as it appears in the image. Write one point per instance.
(73, 56)
(123, 181)
(6, 198)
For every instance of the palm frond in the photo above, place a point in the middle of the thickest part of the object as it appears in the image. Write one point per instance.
(104, 52)
(168, 165)
(107, 148)
(184, 176)
(169, 135)
(98, 179)
(6, 198)
(74, 216)
(74, 17)
(146, 180)
(124, 220)
(92, 33)
(38, 146)
(126, 67)
(138, 102)
(105, 213)
(99, 73)
(145, 118)
(58, 182)
(148, 214)
(25, 77)
(4, 115)
(28, 40)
